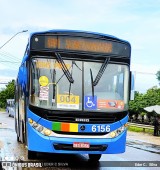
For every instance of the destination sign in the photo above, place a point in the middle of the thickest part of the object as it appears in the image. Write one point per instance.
(79, 44)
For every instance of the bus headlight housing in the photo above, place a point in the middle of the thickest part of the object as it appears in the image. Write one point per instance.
(40, 128)
(117, 132)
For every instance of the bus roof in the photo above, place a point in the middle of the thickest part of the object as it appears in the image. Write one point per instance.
(74, 33)
(78, 32)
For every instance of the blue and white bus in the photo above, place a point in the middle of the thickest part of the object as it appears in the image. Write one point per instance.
(72, 93)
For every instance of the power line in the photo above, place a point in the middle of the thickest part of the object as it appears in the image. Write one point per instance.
(9, 56)
(9, 62)
(139, 72)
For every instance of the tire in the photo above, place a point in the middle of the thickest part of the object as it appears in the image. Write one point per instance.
(18, 138)
(32, 154)
(15, 125)
(23, 135)
(94, 157)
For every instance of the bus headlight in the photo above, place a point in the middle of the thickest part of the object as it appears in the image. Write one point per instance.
(35, 125)
(112, 134)
(47, 132)
(117, 132)
(39, 128)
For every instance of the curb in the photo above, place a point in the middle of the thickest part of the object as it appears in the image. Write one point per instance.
(144, 146)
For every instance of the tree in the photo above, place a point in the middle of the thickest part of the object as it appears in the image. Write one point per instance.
(150, 98)
(136, 106)
(7, 93)
(10, 89)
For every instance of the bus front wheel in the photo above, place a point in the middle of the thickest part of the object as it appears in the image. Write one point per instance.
(94, 157)
(32, 154)
(18, 140)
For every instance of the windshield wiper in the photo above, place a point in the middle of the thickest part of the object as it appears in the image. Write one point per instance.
(73, 63)
(64, 68)
(92, 83)
(70, 82)
(101, 71)
(99, 75)
(54, 85)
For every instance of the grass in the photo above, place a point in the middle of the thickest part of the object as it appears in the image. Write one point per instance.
(2, 110)
(138, 129)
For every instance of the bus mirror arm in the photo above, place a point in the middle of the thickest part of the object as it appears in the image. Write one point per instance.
(131, 85)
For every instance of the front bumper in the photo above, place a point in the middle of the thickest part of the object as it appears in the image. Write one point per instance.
(40, 143)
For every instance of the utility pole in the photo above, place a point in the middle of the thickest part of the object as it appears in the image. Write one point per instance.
(13, 37)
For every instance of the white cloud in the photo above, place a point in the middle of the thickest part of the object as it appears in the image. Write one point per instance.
(145, 76)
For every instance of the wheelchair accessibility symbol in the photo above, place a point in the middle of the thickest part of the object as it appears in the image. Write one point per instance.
(90, 102)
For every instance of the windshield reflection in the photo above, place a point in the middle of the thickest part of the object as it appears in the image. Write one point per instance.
(51, 89)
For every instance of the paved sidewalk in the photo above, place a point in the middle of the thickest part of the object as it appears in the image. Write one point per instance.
(144, 137)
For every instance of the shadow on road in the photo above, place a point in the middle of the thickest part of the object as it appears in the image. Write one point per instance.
(66, 161)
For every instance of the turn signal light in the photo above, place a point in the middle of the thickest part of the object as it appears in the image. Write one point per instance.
(30, 121)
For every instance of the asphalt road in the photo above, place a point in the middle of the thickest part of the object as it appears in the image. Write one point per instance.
(11, 150)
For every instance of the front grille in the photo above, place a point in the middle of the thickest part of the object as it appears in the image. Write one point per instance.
(71, 119)
(81, 133)
(70, 116)
(70, 147)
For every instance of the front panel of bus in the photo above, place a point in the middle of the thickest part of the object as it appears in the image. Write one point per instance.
(77, 104)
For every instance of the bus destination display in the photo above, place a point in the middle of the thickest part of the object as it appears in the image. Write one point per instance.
(78, 44)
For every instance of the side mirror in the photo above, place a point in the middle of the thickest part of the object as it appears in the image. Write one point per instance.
(132, 85)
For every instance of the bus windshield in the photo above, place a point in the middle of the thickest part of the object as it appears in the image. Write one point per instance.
(51, 89)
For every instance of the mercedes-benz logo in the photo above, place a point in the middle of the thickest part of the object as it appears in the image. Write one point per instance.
(82, 127)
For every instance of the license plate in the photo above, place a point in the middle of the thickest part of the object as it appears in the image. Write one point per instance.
(81, 145)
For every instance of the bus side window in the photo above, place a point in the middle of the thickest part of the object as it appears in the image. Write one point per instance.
(33, 83)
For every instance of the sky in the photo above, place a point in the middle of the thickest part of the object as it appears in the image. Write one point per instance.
(136, 21)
